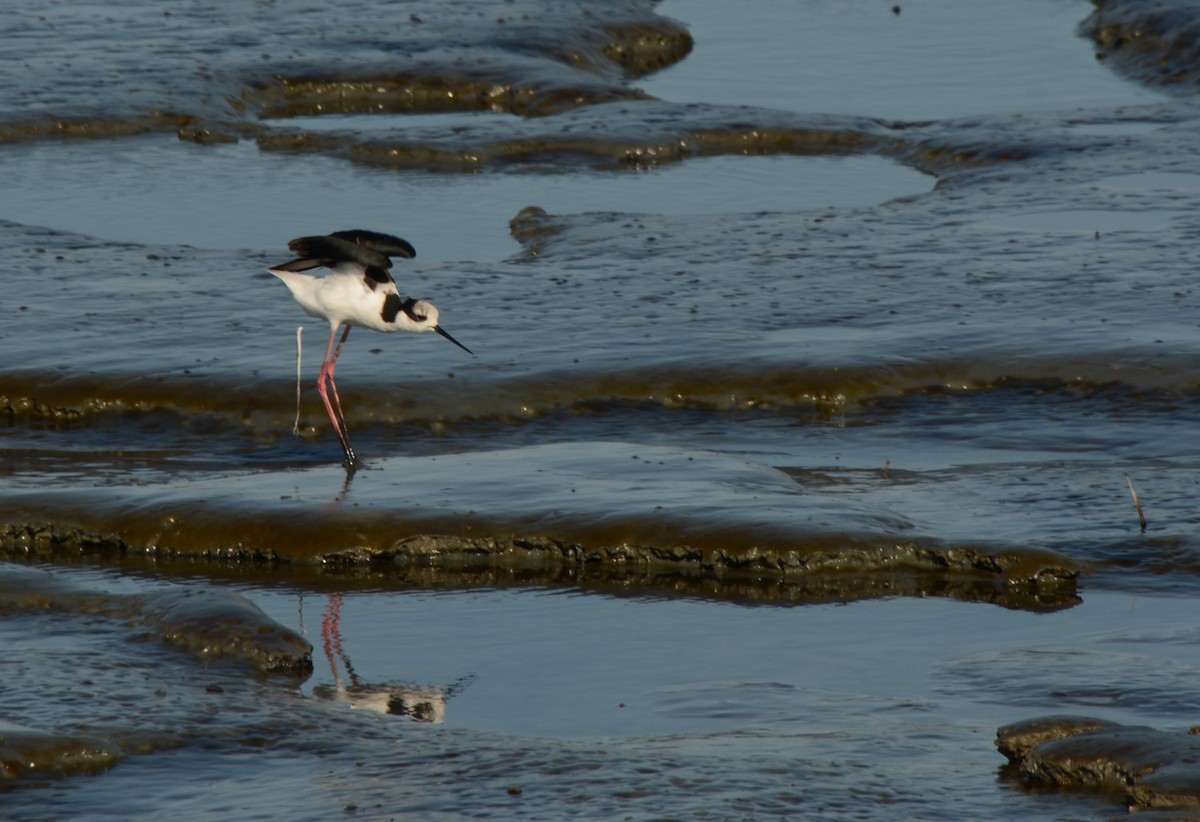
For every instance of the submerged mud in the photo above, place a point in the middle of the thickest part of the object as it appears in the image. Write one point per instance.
(613, 135)
(205, 623)
(26, 750)
(107, 641)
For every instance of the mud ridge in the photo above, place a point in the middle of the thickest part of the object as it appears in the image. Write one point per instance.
(1146, 768)
(1015, 577)
(1157, 44)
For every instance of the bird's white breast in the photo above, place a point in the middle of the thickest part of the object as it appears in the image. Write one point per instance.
(343, 297)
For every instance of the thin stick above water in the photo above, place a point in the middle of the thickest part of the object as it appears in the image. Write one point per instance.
(1136, 503)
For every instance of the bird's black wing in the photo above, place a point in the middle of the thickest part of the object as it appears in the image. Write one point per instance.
(318, 251)
(383, 243)
(298, 265)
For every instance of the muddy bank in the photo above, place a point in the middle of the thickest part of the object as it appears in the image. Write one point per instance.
(1146, 768)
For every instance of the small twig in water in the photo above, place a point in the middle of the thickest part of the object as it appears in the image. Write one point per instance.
(1137, 503)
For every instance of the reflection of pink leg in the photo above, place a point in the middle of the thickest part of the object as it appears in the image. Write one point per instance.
(334, 408)
(331, 633)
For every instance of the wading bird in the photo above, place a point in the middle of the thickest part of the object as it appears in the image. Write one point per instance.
(358, 291)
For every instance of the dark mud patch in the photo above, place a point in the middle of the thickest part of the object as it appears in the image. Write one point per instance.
(1146, 768)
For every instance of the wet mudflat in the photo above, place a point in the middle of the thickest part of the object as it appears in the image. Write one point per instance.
(496, 701)
(795, 461)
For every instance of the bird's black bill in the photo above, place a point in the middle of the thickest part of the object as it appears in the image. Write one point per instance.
(445, 334)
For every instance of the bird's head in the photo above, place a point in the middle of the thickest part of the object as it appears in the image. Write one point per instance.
(424, 317)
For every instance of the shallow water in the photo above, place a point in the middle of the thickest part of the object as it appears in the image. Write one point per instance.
(233, 196)
(957, 59)
(754, 668)
(795, 459)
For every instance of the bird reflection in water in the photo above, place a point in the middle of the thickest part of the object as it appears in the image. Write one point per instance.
(419, 703)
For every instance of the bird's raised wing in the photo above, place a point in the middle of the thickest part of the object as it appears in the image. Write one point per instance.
(378, 241)
(329, 251)
(369, 250)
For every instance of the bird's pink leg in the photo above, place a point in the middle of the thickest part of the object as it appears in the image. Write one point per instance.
(336, 417)
(337, 401)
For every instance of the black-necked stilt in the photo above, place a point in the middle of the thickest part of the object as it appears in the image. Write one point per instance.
(359, 292)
